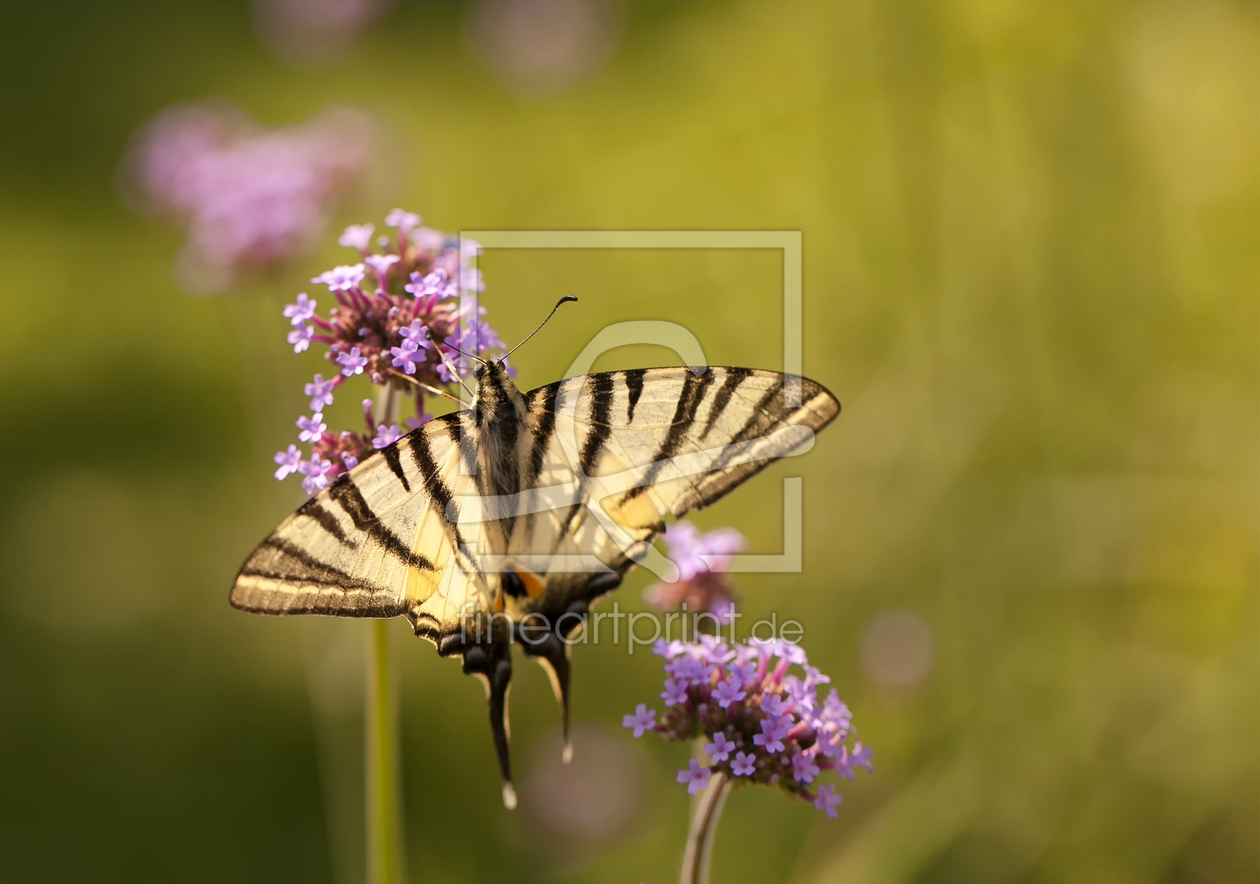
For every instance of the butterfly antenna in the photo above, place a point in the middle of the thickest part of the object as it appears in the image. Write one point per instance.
(563, 300)
(437, 348)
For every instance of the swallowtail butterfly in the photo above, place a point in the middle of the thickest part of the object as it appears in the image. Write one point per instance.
(506, 521)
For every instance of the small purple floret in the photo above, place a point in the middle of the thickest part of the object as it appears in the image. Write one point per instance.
(352, 363)
(357, 236)
(300, 337)
(316, 473)
(321, 392)
(342, 278)
(675, 693)
(381, 264)
(727, 693)
(643, 719)
(743, 764)
(828, 800)
(300, 312)
(720, 749)
(288, 461)
(804, 769)
(775, 705)
(402, 219)
(312, 427)
(386, 436)
(771, 737)
(407, 356)
(696, 777)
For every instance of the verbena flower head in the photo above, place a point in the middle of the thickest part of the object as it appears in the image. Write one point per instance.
(394, 319)
(757, 707)
(250, 197)
(702, 559)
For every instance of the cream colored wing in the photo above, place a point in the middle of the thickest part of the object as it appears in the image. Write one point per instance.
(377, 542)
(615, 453)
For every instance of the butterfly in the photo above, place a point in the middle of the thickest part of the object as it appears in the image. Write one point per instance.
(506, 521)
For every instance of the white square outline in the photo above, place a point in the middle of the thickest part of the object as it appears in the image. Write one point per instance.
(789, 241)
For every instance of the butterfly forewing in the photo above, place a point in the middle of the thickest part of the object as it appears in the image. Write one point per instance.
(375, 543)
(652, 443)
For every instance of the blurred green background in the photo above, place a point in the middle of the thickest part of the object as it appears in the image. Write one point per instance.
(1031, 266)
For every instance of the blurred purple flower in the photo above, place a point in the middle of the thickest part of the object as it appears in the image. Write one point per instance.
(357, 236)
(428, 240)
(695, 552)
(251, 198)
(312, 31)
(542, 46)
(701, 559)
(403, 220)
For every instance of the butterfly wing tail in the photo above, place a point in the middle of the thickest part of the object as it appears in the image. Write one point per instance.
(490, 660)
(553, 654)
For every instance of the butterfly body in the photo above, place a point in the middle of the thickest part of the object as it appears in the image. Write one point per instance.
(504, 522)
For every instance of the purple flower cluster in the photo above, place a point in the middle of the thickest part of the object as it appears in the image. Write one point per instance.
(763, 723)
(251, 197)
(397, 318)
(702, 559)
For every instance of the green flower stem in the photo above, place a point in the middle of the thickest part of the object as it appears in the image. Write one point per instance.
(695, 867)
(384, 805)
(381, 739)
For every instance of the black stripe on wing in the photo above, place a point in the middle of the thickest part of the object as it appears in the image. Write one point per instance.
(313, 509)
(348, 496)
(439, 492)
(734, 377)
(278, 559)
(689, 398)
(601, 387)
(634, 389)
